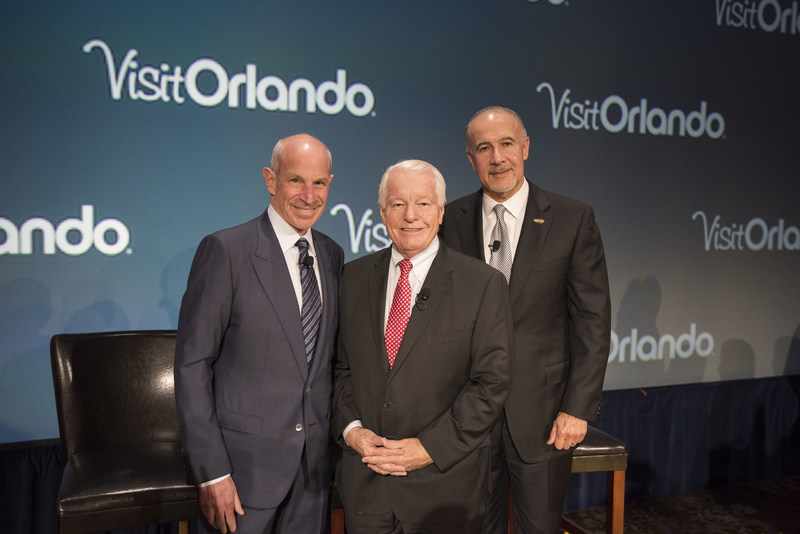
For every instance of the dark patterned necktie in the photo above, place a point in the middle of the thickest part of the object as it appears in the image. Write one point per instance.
(312, 303)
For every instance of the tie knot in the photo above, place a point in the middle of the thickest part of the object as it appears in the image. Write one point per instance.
(405, 267)
(302, 244)
(499, 210)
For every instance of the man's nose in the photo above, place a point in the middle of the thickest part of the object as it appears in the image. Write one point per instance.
(496, 155)
(410, 213)
(307, 193)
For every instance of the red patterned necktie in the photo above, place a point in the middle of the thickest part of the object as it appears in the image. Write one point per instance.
(399, 312)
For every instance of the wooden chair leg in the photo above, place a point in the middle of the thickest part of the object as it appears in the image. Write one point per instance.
(337, 521)
(615, 501)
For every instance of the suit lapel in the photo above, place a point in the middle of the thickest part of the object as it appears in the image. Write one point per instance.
(438, 282)
(327, 281)
(470, 227)
(376, 286)
(270, 267)
(535, 227)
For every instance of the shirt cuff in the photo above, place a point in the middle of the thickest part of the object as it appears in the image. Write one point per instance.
(210, 482)
(351, 426)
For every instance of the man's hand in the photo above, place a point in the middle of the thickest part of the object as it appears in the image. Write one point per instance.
(398, 457)
(369, 445)
(364, 441)
(567, 431)
(220, 504)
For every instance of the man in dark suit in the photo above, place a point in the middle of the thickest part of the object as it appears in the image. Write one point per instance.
(550, 250)
(418, 387)
(254, 355)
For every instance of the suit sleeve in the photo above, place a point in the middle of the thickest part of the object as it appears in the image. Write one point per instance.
(204, 316)
(344, 404)
(459, 430)
(589, 308)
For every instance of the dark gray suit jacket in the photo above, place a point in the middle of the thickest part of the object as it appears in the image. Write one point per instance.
(248, 404)
(447, 386)
(561, 307)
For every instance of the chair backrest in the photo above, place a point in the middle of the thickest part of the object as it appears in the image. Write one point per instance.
(114, 389)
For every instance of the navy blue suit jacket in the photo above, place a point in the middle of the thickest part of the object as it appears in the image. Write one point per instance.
(248, 403)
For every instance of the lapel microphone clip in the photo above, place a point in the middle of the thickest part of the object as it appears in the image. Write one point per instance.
(421, 302)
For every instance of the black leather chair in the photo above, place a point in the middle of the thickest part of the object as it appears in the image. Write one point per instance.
(119, 432)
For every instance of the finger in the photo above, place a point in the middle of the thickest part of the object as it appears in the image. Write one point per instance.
(377, 469)
(391, 443)
(211, 517)
(552, 438)
(384, 466)
(238, 505)
(384, 453)
(230, 520)
(398, 471)
(393, 468)
(220, 524)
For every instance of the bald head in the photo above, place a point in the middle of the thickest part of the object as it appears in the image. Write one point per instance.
(494, 111)
(299, 180)
(298, 145)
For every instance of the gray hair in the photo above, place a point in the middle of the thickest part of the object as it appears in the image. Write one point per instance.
(414, 165)
(490, 109)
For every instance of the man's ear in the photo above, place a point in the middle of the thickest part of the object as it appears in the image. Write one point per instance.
(269, 178)
(471, 161)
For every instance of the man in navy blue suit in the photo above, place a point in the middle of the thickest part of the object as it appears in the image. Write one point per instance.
(254, 354)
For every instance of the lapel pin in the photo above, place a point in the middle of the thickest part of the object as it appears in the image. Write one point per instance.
(539, 221)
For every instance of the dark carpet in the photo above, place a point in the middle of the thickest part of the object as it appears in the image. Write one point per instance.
(763, 507)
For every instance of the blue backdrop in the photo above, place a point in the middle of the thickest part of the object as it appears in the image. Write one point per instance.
(132, 129)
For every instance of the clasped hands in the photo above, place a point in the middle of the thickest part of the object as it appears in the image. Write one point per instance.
(388, 456)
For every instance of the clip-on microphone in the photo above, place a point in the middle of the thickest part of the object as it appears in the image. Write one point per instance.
(422, 298)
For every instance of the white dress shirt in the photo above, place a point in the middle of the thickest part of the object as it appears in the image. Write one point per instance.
(287, 238)
(515, 212)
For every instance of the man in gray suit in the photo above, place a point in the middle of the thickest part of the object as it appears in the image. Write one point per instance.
(253, 358)
(549, 248)
(422, 370)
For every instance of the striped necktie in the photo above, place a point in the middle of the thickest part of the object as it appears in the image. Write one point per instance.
(311, 313)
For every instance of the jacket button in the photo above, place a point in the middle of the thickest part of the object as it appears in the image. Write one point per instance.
(298, 427)
(387, 405)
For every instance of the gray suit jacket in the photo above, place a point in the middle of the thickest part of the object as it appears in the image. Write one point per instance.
(447, 386)
(248, 404)
(561, 307)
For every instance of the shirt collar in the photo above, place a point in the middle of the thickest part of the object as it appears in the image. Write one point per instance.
(514, 205)
(421, 263)
(287, 236)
